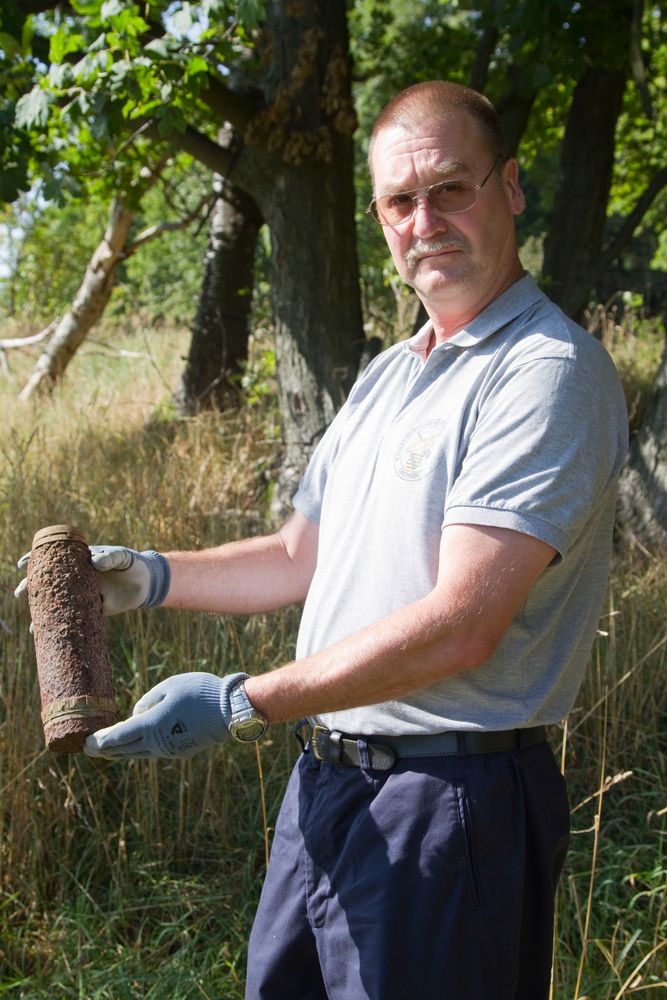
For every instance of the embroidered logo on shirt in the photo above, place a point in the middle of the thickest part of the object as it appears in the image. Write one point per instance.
(418, 453)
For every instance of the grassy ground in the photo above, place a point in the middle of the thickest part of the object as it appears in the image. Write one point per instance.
(140, 881)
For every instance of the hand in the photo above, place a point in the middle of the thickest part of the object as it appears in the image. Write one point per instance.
(177, 718)
(129, 579)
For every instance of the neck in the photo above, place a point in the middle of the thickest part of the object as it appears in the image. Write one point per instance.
(448, 320)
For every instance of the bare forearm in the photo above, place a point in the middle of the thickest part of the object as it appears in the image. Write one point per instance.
(485, 576)
(254, 575)
(408, 650)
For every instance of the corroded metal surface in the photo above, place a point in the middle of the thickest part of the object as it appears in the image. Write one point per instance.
(71, 642)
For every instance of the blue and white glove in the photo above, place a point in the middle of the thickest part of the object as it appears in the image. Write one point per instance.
(129, 580)
(177, 718)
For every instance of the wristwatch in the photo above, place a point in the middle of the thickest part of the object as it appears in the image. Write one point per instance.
(247, 724)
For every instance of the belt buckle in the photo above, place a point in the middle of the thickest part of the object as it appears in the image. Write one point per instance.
(318, 733)
(331, 747)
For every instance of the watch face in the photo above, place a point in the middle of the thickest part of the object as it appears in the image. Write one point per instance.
(249, 730)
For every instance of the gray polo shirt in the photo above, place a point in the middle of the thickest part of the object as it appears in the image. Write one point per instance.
(518, 421)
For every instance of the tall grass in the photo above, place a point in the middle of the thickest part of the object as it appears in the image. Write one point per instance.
(140, 880)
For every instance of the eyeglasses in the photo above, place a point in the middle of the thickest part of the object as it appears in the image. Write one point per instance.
(445, 197)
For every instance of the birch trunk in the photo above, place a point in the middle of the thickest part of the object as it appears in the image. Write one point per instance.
(89, 304)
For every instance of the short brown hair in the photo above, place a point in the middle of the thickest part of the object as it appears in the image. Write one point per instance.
(434, 98)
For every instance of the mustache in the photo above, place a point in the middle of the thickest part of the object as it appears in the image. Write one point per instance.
(424, 247)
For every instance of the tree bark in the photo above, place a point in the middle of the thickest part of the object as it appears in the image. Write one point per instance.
(574, 241)
(89, 303)
(642, 510)
(298, 165)
(219, 342)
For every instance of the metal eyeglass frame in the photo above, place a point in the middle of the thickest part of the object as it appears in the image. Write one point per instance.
(417, 192)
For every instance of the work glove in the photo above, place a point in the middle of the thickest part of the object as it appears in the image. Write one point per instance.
(177, 718)
(129, 579)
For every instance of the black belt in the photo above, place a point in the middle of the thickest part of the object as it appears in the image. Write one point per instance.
(381, 752)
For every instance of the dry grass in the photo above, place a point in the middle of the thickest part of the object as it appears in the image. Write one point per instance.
(140, 881)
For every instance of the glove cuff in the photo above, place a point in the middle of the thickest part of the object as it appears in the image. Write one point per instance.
(216, 708)
(159, 578)
(228, 682)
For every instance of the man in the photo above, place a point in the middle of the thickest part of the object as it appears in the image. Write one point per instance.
(450, 539)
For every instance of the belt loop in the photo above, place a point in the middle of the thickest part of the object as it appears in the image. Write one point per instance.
(335, 744)
(303, 732)
(364, 756)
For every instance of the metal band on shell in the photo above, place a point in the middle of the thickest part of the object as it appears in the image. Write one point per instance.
(78, 708)
(58, 533)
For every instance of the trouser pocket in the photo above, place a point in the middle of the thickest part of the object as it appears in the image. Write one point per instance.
(467, 829)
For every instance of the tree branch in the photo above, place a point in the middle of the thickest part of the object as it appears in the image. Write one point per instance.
(208, 152)
(152, 232)
(35, 338)
(236, 108)
(637, 66)
(622, 238)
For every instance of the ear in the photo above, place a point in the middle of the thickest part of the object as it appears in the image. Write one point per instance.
(515, 195)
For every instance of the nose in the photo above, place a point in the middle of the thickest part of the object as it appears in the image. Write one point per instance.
(426, 221)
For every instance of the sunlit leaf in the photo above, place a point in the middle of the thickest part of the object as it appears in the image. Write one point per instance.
(110, 8)
(33, 108)
(158, 47)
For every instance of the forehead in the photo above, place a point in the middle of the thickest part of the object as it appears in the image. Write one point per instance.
(408, 156)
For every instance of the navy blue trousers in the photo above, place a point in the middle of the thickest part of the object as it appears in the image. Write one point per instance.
(435, 880)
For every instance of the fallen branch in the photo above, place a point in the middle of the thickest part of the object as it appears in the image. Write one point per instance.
(34, 338)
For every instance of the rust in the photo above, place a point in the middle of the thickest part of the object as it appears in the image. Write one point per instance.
(71, 641)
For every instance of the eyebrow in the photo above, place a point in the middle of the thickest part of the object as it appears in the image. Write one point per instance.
(446, 168)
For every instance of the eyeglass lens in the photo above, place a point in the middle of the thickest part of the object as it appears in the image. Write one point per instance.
(447, 197)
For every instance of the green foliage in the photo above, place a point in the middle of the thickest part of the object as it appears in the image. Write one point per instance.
(56, 243)
(163, 278)
(78, 89)
(55, 249)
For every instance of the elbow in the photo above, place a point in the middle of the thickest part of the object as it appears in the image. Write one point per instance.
(473, 648)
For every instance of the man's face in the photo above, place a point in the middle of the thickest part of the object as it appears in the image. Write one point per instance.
(460, 262)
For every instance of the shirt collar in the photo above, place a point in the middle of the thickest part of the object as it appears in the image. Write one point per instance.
(514, 300)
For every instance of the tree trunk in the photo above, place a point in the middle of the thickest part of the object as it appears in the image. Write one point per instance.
(574, 240)
(219, 343)
(317, 314)
(89, 303)
(306, 194)
(642, 511)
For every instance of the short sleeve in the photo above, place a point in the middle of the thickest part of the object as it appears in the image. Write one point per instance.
(546, 447)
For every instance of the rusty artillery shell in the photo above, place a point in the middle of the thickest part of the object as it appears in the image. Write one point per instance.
(70, 633)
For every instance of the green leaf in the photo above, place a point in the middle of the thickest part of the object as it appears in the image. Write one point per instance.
(33, 109)
(9, 44)
(99, 43)
(158, 47)
(213, 7)
(87, 7)
(110, 8)
(60, 75)
(27, 34)
(170, 120)
(64, 42)
(13, 180)
(195, 66)
(51, 190)
(250, 12)
(182, 20)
